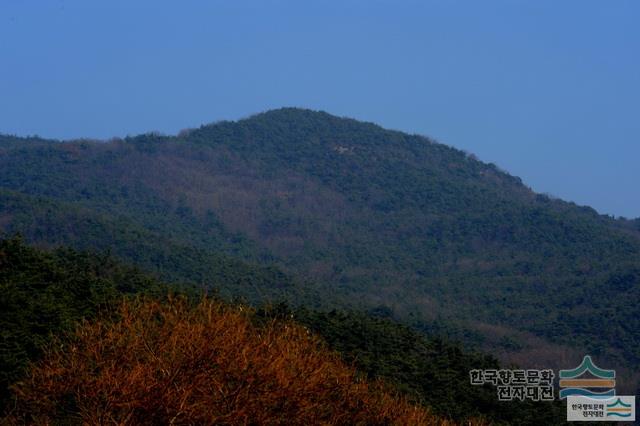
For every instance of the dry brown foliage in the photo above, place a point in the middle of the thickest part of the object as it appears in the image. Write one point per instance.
(172, 363)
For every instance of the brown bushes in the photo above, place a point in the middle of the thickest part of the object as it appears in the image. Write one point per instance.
(169, 363)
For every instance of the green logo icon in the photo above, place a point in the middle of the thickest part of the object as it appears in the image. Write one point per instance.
(572, 382)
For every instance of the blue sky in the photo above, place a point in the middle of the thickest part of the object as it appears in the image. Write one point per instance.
(548, 90)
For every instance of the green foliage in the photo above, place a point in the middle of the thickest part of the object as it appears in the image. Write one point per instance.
(62, 224)
(47, 293)
(374, 217)
(431, 370)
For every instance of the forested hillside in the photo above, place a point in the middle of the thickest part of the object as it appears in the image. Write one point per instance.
(63, 299)
(356, 215)
(44, 294)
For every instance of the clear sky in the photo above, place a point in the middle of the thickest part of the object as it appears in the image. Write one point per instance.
(547, 89)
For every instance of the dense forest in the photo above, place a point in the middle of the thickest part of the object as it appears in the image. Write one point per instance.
(328, 212)
(67, 312)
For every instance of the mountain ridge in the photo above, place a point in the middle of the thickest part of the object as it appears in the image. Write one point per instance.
(377, 216)
(279, 114)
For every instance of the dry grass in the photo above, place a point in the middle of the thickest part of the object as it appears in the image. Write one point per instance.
(171, 363)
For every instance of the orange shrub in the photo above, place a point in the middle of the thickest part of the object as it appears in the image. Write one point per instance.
(171, 363)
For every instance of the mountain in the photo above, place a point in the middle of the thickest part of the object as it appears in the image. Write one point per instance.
(353, 213)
